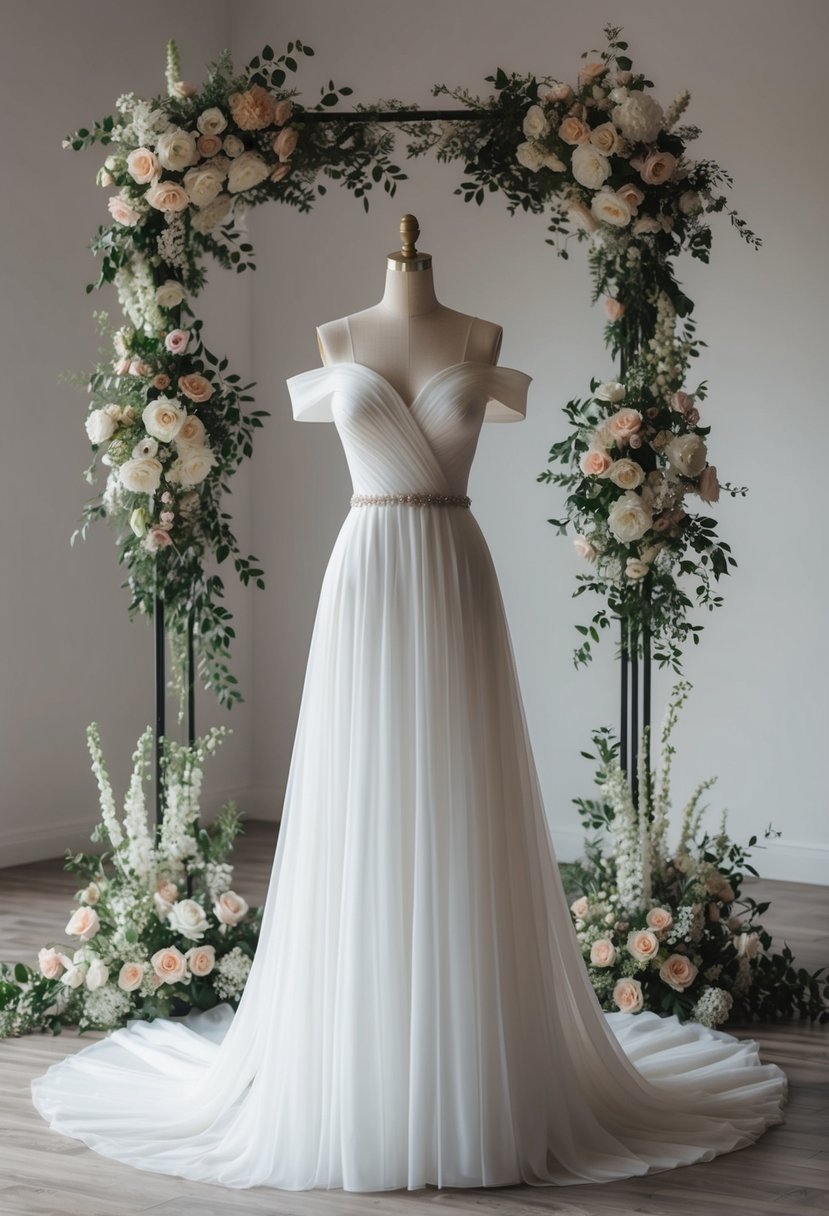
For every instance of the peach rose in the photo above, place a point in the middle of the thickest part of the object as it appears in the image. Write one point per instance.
(143, 165)
(603, 953)
(579, 907)
(130, 976)
(708, 487)
(122, 212)
(591, 72)
(627, 996)
(230, 908)
(615, 309)
(682, 402)
(192, 431)
(611, 208)
(595, 463)
(678, 972)
(161, 381)
(170, 965)
(167, 196)
(252, 109)
(50, 962)
(209, 145)
(559, 92)
(201, 959)
(659, 919)
(646, 225)
(657, 168)
(643, 944)
(83, 923)
(632, 195)
(280, 171)
(282, 111)
(574, 131)
(196, 387)
(605, 137)
(284, 143)
(624, 423)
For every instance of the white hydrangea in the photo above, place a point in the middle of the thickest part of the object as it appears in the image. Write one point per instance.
(231, 973)
(713, 1007)
(639, 117)
(106, 1006)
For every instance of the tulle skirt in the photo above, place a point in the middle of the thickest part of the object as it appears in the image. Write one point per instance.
(418, 1011)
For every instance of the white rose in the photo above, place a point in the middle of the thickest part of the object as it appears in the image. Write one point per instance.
(176, 149)
(100, 426)
(191, 433)
(90, 894)
(203, 183)
(187, 918)
(629, 517)
(626, 474)
(142, 474)
(192, 466)
(687, 454)
(246, 171)
(208, 217)
(612, 208)
(211, 122)
(611, 390)
(690, 202)
(97, 974)
(163, 418)
(550, 161)
(535, 123)
(529, 155)
(169, 294)
(73, 977)
(590, 167)
(639, 117)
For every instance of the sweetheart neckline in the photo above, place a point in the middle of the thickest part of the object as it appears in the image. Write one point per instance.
(410, 405)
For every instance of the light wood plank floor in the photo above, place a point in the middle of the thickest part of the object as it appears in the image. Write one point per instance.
(44, 1174)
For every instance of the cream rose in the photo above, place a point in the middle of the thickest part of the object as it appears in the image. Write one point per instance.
(603, 953)
(643, 944)
(626, 474)
(247, 171)
(687, 454)
(201, 959)
(574, 131)
(230, 908)
(605, 138)
(612, 391)
(285, 142)
(130, 976)
(629, 517)
(167, 196)
(678, 972)
(169, 294)
(581, 216)
(657, 168)
(659, 919)
(207, 218)
(535, 123)
(584, 548)
(690, 203)
(163, 418)
(627, 996)
(203, 183)
(142, 474)
(529, 155)
(233, 145)
(122, 211)
(100, 426)
(83, 923)
(50, 962)
(592, 71)
(90, 894)
(176, 149)
(188, 918)
(212, 121)
(611, 208)
(192, 466)
(634, 569)
(590, 168)
(97, 974)
(645, 225)
(191, 432)
(170, 965)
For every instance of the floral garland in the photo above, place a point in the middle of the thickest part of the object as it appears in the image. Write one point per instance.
(665, 928)
(159, 927)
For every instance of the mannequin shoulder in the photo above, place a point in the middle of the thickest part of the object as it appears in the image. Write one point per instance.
(333, 341)
(485, 341)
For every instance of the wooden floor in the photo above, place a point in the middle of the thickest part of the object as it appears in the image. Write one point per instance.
(45, 1174)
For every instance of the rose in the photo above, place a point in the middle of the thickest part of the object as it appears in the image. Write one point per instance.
(192, 432)
(529, 155)
(606, 138)
(581, 216)
(624, 423)
(170, 965)
(169, 294)
(252, 109)
(584, 548)
(233, 145)
(682, 402)
(283, 111)
(167, 196)
(591, 72)
(203, 183)
(97, 974)
(708, 487)
(611, 390)
(177, 341)
(639, 117)
(284, 143)
(176, 149)
(574, 131)
(687, 454)
(201, 959)
(183, 88)
(187, 917)
(209, 145)
(645, 225)
(643, 944)
(211, 122)
(626, 474)
(690, 203)
(121, 211)
(579, 907)
(590, 168)
(83, 923)
(195, 386)
(280, 171)
(558, 92)
(145, 447)
(162, 905)
(627, 996)
(140, 367)
(73, 977)
(635, 569)
(629, 517)
(192, 466)
(603, 953)
(595, 463)
(535, 123)
(141, 475)
(208, 217)
(657, 168)
(163, 418)
(550, 161)
(678, 972)
(100, 426)
(90, 894)
(157, 538)
(230, 908)
(247, 171)
(747, 944)
(161, 381)
(659, 919)
(130, 976)
(143, 165)
(632, 195)
(50, 962)
(611, 208)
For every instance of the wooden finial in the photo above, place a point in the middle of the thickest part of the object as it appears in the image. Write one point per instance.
(408, 256)
(409, 232)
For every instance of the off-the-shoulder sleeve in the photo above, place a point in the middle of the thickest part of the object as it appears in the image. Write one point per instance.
(311, 394)
(507, 394)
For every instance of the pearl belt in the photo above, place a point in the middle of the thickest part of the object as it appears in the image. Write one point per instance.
(415, 499)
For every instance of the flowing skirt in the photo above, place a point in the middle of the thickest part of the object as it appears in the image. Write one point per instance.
(418, 1010)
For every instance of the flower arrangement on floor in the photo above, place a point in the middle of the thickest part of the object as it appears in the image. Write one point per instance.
(158, 928)
(665, 928)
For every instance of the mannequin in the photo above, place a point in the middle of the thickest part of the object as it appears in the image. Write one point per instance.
(409, 336)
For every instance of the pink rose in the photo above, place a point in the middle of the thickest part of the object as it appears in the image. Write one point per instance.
(595, 463)
(170, 965)
(177, 341)
(603, 953)
(130, 976)
(659, 919)
(591, 72)
(681, 402)
(624, 423)
(708, 487)
(167, 196)
(83, 923)
(201, 959)
(158, 538)
(632, 195)
(678, 972)
(50, 963)
(642, 944)
(627, 996)
(615, 309)
(692, 417)
(285, 142)
(657, 168)
(143, 165)
(579, 907)
(230, 908)
(196, 387)
(574, 131)
(121, 211)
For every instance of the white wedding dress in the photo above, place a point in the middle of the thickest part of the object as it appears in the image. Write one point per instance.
(418, 1011)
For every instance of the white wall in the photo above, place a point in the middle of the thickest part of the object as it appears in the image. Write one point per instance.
(759, 701)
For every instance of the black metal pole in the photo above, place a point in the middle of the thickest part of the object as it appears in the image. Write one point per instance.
(191, 678)
(623, 707)
(160, 691)
(634, 714)
(646, 686)
(395, 116)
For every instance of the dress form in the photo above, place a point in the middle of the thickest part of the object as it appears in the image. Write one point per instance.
(409, 335)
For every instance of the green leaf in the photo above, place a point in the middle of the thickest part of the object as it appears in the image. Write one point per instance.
(21, 973)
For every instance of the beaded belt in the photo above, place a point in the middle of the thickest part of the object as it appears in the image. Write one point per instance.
(418, 500)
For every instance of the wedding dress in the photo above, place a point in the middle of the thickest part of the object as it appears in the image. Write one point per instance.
(418, 1010)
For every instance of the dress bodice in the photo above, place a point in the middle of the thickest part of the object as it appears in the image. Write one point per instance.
(428, 444)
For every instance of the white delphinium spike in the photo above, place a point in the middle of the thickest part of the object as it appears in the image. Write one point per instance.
(108, 813)
(645, 795)
(692, 815)
(140, 853)
(626, 837)
(173, 67)
(676, 109)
